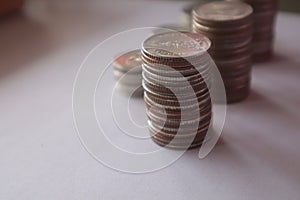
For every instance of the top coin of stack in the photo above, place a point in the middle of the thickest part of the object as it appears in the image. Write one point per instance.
(229, 26)
(128, 72)
(175, 77)
(264, 20)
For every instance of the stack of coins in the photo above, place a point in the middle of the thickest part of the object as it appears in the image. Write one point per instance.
(264, 16)
(229, 27)
(128, 72)
(176, 75)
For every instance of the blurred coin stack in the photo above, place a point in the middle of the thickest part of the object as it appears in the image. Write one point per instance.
(128, 72)
(175, 72)
(229, 27)
(264, 16)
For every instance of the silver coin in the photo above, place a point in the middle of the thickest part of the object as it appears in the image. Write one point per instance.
(179, 80)
(176, 44)
(171, 107)
(222, 11)
(129, 61)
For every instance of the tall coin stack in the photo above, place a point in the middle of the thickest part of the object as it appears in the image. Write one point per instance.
(176, 77)
(128, 72)
(264, 16)
(229, 27)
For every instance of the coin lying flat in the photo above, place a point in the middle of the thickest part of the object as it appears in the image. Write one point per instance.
(128, 71)
(128, 78)
(130, 61)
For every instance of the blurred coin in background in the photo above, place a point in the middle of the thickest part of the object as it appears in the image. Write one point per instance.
(128, 72)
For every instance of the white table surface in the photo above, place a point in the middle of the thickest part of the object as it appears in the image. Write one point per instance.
(41, 156)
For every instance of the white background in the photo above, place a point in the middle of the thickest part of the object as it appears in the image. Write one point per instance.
(41, 156)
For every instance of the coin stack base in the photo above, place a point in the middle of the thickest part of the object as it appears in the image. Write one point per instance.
(229, 26)
(176, 91)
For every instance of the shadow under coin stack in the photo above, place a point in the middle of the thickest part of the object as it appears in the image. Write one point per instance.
(264, 16)
(229, 27)
(128, 72)
(175, 72)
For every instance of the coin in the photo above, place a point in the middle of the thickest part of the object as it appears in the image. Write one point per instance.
(165, 71)
(183, 80)
(172, 45)
(179, 147)
(129, 61)
(222, 13)
(128, 71)
(176, 63)
(128, 78)
(168, 144)
(183, 121)
(178, 136)
(163, 111)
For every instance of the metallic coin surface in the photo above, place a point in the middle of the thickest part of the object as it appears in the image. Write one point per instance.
(176, 81)
(229, 26)
(264, 17)
(130, 61)
(176, 44)
(222, 11)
